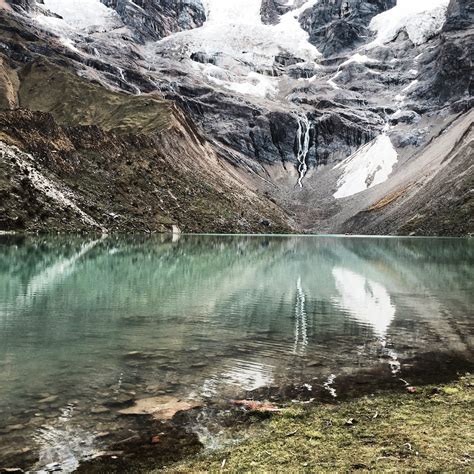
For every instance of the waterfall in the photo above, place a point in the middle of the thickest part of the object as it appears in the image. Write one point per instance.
(124, 79)
(302, 139)
(301, 324)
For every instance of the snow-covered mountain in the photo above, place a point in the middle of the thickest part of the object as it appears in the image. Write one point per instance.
(337, 116)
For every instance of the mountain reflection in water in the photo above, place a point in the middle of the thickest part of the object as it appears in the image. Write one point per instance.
(85, 321)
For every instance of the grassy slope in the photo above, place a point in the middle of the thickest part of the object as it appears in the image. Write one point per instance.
(76, 101)
(429, 431)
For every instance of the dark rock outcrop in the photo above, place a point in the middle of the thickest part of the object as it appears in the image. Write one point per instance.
(152, 20)
(449, 70)
(271, 10)
(337, 25)
(25, 5)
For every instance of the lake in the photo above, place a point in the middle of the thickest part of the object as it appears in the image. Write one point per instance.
(87, 325)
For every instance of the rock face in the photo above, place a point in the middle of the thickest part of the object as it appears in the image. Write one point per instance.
(338, 25)
(155, 19)
(25, 5)
(450, 71)
(271, 10)
(278, 92)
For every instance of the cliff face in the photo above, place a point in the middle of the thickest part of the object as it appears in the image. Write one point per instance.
(155, 19)
(336, 26)
(314, 110)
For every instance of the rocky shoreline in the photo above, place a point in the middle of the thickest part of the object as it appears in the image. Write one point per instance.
(152, 452)
(163, 430)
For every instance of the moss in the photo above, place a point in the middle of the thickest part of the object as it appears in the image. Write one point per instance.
(428, 431)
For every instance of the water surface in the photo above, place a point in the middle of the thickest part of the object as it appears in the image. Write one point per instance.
(86, 323)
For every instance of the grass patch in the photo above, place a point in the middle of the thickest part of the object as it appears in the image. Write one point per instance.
(384, 202)
(428, 431)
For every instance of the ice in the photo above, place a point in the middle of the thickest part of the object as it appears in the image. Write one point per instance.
(234, 33)
(78, 15)
(367, 167)
(421, 19)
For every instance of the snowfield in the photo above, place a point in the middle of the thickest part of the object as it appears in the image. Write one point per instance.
(370, 165)
(235, 33)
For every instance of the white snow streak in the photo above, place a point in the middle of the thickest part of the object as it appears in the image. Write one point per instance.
(43, 184)
(359, 59)
(367, 167)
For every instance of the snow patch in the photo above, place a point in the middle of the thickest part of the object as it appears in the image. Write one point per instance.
(421, 19)
(359, 59)
(256, 84)
(367, 167)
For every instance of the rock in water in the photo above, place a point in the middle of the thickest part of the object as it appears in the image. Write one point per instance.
(160, 408)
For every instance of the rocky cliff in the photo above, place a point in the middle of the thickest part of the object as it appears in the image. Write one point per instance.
(316, 116)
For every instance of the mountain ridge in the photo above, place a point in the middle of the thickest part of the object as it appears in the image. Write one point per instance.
(284, 115)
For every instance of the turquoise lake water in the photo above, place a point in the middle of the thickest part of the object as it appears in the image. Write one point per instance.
(86, 321)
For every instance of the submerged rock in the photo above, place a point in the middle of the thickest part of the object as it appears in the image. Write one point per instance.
(160, 408)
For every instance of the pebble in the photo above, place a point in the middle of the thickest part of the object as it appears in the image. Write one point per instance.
(49, 399)
(99, 410)
(199, 365)
(16, 427)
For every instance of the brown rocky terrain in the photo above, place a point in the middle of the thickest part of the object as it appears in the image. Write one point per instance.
(128, 163)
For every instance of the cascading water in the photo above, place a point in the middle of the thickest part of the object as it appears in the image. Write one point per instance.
(302, 140)
(124, 79)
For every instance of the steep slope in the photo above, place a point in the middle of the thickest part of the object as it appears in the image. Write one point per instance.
(85, 158)
(433, 193)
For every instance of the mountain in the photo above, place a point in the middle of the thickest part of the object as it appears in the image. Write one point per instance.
(237, 116)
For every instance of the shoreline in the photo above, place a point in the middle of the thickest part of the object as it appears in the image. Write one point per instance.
(88, 233)
(426, 430)
(151, 444)
(176, 447)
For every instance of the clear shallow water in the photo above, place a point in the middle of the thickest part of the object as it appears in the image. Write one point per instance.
(86, 324)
